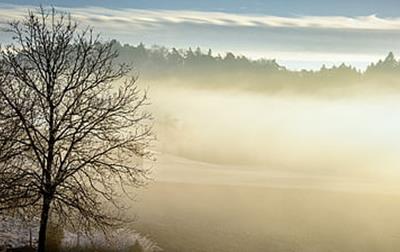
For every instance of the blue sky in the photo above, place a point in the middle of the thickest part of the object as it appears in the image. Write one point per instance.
(298, 33)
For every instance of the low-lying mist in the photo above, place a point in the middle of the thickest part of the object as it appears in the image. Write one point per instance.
(350, 136)
(240, 170)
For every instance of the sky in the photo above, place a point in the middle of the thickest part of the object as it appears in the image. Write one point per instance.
(298, 33)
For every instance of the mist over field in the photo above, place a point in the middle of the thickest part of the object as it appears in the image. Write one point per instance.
(339, 136)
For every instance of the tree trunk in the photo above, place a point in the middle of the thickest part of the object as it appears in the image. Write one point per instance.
(30, 237)
(43, 223)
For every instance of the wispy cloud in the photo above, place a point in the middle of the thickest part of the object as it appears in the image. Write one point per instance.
(148, 18)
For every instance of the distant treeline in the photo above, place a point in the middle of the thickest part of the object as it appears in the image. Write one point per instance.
(204, 69)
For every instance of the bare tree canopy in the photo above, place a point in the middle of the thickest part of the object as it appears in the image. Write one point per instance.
(72, 126)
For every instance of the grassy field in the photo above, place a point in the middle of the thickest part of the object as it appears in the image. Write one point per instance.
(188, 217)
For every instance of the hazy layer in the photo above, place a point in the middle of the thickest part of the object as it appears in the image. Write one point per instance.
(353, 136)
(241, 171)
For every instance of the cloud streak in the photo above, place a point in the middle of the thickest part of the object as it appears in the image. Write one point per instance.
(149, 18)
(160, 17)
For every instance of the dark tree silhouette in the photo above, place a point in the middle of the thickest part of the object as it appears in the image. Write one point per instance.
(73, 129)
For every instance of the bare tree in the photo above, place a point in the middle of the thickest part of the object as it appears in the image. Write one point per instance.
(72, 126)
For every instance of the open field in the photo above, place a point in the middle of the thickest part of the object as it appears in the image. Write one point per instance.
(184, 217)
(233, 216)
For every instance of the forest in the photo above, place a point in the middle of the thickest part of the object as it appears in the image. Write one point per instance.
(203, 69)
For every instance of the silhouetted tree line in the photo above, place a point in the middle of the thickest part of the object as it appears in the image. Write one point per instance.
(198, 67)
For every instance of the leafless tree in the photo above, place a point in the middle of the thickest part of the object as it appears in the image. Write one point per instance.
(73, 127)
